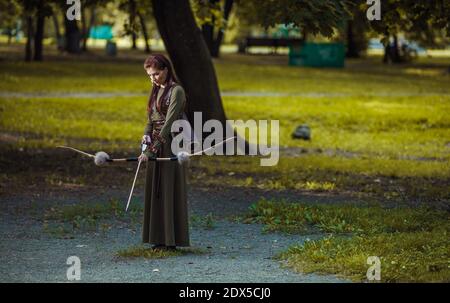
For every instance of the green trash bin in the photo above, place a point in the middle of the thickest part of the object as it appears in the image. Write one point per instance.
(317, 55)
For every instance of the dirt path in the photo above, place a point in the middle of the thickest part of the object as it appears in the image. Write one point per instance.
(232, 252)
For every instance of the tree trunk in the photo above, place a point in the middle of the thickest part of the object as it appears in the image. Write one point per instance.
(144, 32)
(386, 54)
(208, 34)
(73, 36)
(190, 57)
(28, 47)
(84, 30)
(208, 31)
(9, 35)
(39, 38)
(39, 35)
(352, 48)
(391, 52)
(57, 31)
(218, 41)
(91, 20)
(395, 51)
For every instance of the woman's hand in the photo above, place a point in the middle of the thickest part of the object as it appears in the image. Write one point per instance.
(143, 158)
(146, 139)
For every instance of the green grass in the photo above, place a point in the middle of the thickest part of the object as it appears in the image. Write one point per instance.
(206, 222)
(366, 220)
(235, 73)
(412, 243)
(68, 219)
(400, 181)
(150, 253)
(371, 123)
(404, 257)
(391, 127)
(365, 76)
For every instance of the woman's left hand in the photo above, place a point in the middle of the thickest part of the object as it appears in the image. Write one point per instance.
(143, 158)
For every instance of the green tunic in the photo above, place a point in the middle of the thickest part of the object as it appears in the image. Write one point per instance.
(165, 211)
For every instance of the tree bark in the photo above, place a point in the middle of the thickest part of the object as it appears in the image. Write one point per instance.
(144, 32)
(208, 36)
(28, 47)
(395, 51)
(9, 35)
(190, 57)
(39, 35)
(57, 31)
(352, 48)
(208, 31)
(84, 30)
(132, 23)
(73, 36)
(391, 52)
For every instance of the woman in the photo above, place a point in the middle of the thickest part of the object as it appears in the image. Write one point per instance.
(165, 211)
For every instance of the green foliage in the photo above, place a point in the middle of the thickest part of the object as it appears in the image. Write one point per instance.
(412, 243)
(416, 18)
(318, 17)
(10, 11)
(208, 12)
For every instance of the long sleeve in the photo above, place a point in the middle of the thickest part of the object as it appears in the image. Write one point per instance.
(148, 128)
(176, 106)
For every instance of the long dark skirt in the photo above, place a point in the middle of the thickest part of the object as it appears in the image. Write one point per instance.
(165, 211)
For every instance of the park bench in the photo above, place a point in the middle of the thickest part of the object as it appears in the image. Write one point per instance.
(267, 41)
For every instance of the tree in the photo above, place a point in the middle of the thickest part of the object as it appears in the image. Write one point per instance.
(10, 12)
(144, 31)
(190, 55)
(43, 10)
(410, 16)
(130, 26)
(356, 33)
(212, 16)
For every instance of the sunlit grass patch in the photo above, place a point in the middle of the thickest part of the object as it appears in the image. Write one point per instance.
(359, 76)
(412, 243)
(366, 76)
(156, 253)
(55, 121)
(394, 127)
(368, 122)
(404, 257)
(279, 215)
(73, 76)
(390, 179)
